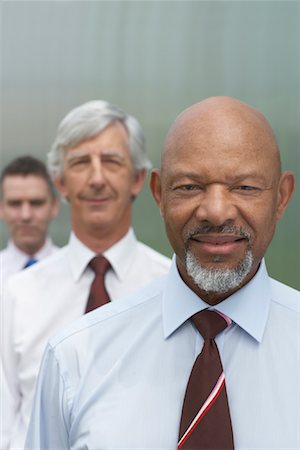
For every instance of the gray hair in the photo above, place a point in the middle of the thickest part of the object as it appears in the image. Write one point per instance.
(85, 122)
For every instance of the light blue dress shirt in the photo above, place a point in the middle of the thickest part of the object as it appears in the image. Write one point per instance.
(116, 378)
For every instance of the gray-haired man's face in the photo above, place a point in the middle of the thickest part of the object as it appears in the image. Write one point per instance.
(99, 181)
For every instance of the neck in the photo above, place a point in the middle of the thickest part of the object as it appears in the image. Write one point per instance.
(99, 242)
(30, 250)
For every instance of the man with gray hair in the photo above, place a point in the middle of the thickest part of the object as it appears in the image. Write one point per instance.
(98, 164)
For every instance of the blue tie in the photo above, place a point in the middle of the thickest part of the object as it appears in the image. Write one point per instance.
(30, 262)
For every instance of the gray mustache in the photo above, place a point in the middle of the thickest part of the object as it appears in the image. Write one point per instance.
(207, 229)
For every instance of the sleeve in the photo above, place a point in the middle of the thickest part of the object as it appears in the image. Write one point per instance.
(9, 390)
(48, 427)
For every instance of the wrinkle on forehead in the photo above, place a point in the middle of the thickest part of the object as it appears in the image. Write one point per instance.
(221, 120)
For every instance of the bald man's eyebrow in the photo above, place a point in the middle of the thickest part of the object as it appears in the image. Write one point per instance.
(178, 175)
(260, 178)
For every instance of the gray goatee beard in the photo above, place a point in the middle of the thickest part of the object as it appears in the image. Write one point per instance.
(219, 280)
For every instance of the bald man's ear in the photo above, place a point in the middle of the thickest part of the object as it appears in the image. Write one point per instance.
(285, 191)
(155, 186)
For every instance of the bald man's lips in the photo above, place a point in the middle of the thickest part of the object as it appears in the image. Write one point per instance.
(218, 244)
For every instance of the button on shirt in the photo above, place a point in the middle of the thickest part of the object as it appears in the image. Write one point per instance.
(12, 259)
(116, 378)
(43, 298)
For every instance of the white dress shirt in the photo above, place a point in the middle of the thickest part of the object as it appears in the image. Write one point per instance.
(116, 378)
(12, 259)
(43, 298)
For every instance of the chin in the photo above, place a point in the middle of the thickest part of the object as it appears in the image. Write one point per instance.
(100, 225)
(219, 278)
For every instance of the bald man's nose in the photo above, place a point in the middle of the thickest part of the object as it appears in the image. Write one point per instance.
(216, 206)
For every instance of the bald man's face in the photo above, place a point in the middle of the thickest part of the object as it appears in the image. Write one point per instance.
(220, 192)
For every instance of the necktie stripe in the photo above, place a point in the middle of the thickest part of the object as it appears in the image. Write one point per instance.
(227, 319)
(205, 407)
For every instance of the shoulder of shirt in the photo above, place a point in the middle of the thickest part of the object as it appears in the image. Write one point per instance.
(116, 311)
(285, 295)
(154, 254)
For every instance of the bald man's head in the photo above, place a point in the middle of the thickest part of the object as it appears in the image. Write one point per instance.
(223, 119)
(220, 191)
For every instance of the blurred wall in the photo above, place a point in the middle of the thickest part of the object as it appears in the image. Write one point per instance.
(153, 59)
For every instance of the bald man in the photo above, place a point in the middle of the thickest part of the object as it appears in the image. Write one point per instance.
(120, 377)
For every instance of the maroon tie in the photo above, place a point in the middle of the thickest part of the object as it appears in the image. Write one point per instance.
(98, 295)
(205, 421)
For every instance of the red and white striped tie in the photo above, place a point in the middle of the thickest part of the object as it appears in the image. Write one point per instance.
(205, 421)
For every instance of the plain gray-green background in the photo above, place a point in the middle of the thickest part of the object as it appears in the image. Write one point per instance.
(152, 58)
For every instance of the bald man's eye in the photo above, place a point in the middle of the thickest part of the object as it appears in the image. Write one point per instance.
(188, 187)
(247, 189)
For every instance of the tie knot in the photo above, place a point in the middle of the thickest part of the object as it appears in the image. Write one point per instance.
(210, 323)
(99, 264)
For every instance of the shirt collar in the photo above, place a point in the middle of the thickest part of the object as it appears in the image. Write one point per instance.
(120, 255)
(79, 256)
(45, 250)
(248, 307)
